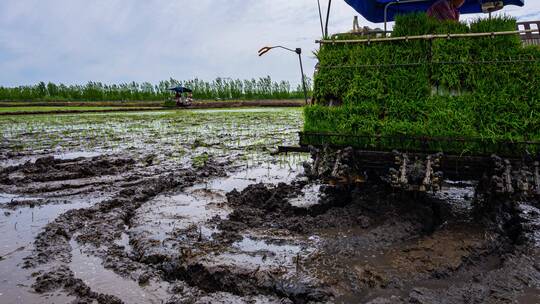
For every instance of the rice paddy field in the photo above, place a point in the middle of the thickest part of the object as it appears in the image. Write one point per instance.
(166, 134)
(193, 206)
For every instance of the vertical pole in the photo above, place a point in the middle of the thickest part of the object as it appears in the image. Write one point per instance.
(299, 52)
(327, 18)
(386, 15)
(320, 18)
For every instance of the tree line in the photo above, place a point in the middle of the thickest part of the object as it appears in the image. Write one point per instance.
(220, 88)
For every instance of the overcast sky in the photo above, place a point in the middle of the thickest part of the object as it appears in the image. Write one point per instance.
(75, 41)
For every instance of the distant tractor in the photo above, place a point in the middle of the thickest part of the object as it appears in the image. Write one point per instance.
(179, 98)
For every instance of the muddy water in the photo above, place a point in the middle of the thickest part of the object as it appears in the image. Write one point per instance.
(101, 280)
(19, 228)
(158, 218)
(266, 253)
(268, 173)
(71, 155)
(309, 197)
(6, 198)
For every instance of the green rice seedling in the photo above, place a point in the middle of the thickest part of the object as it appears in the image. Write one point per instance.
(480, 91)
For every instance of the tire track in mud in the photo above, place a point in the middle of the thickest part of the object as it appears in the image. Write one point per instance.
(99, 225)
(352, 245)
(412, 258)
(210, 263)
(28, 213)
(52, 251)
(98, 228)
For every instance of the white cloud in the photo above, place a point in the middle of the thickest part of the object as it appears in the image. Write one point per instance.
(74, 41)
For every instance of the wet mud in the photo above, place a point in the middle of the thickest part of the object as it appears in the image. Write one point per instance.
(207, 236)
(375, 246)
(133, 227)
(204, 236)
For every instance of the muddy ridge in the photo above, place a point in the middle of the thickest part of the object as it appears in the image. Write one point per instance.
(52, 169)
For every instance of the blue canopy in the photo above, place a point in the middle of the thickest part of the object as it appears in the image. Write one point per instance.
(373, 10)
(181, 89)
